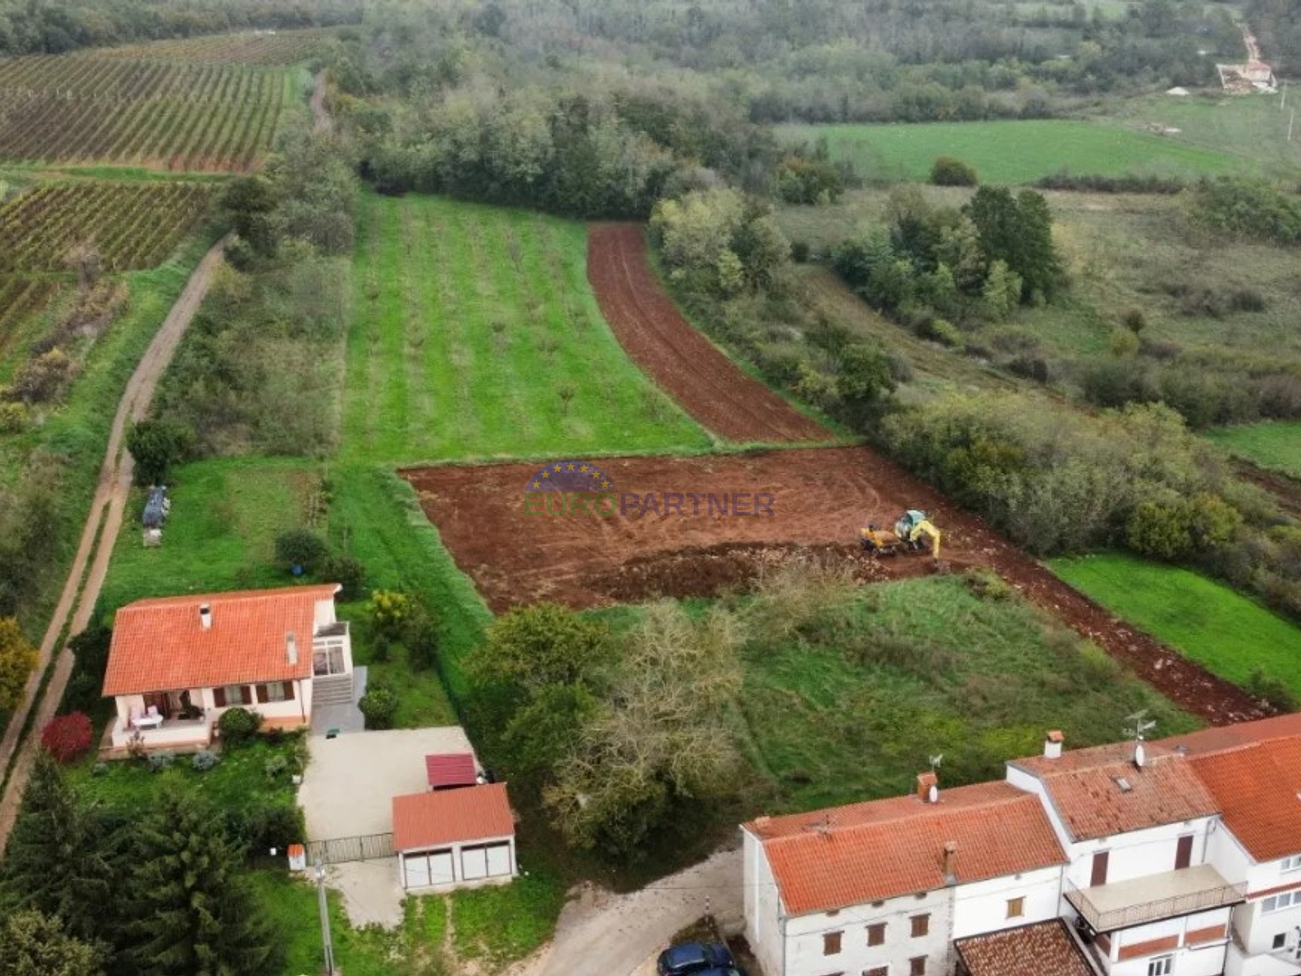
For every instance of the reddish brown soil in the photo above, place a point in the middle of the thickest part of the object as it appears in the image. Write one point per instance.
(701, 379)
(820, 498)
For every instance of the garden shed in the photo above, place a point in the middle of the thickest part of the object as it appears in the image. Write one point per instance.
(454, 838)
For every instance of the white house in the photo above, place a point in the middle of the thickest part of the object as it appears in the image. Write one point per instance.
(176, 663)
(1180, 857)
(454, 838)
(1134, 820)
(883, 888)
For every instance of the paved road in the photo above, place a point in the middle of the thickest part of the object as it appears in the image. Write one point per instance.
(102, 524)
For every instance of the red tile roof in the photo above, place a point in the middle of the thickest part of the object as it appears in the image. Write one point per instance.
(1043, 949)
(450, 769)
(872, 851)
(1258, 788)
(1099, 792)
(1230, 736)
(159, 644)
(425, 820)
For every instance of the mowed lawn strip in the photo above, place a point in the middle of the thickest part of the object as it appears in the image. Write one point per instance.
(1012, 152)
(1275, 445)
(1207, 622)
(475, 335)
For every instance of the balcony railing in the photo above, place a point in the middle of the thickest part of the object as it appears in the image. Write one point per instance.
(1134, 902)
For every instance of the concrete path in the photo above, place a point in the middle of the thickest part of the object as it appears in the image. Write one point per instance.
(98, 535)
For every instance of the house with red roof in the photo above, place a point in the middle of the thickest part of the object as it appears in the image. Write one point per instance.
(1179, 857)
(454, 837)
(176, 663)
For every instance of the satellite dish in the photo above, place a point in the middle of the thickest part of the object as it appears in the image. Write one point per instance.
(933, 794)
(1139, 758)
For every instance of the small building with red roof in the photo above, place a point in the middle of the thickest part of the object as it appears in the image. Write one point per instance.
(453, 838)
(176, 663)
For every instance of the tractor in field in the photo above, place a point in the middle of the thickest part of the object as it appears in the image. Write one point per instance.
(912, 532)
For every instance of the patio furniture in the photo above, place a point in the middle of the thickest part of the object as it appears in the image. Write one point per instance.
(151, 720)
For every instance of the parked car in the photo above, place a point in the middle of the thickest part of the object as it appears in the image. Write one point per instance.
(694, 957)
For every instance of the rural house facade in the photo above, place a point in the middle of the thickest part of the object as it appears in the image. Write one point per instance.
(1173, 858)
(176, 663)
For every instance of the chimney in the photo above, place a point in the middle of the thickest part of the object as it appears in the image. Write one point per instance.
(950, 849)
(205, 616)
(1053, 744)
(291, 648)
(928, 787)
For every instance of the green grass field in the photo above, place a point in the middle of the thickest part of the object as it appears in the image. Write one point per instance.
(1012, 152)
(1275, 445)
(475, 335)
(1225, 632)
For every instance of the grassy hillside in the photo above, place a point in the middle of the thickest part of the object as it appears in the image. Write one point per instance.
(1275, 445)
(475, 334)
(1206, 622)
(1013, 152)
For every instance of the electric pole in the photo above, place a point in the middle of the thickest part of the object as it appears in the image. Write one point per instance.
(325, 917)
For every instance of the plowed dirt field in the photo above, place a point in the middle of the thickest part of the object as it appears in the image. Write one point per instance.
(706, 384)
(819, 499)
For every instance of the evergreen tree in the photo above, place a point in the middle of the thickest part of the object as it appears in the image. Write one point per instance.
(59, 859)
(1019, 232)
(32, 944)
(192, 913)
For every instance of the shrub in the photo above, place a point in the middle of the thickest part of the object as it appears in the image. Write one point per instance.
(985, 584)
(947, 171)
(1272, 689)
(204, 760)
(300, 547)
(1247, 300)
(1280, 396)
(943, 332)
(1134, 320)
(390, 611)
(160, 761)
(380, 706)
(68, 737)
(14, 418)
(238, 725)
(800, 252)
(349, 573)
(274, 767)
(421, 638)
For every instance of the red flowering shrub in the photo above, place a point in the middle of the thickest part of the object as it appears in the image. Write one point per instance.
(68, 737)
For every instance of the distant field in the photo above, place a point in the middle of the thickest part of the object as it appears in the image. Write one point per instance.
(247, 47)
(1011, 152)
(475, 334)
(1226, 633)
(1275, 445)
(83, 109)
(132, 225)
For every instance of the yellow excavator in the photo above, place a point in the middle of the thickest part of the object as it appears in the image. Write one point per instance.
(911, 533)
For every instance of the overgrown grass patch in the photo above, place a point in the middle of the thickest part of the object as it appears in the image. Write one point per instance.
(475, 334)
(1275, 445)
(503, 923)
(221, 532)
(1223, 631)
(422, 700)
(1013, 152)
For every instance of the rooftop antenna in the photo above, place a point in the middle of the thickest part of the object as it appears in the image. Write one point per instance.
(935, 761)
(1140, 726)
(822, 826)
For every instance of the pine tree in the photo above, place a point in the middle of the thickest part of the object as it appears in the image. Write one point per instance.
(192, 911)
(32, 944)
(59, 859)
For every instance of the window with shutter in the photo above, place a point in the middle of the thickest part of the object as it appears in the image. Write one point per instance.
(917, 966)
(921, 925)
(261, 691)
(876, 934)
(289, 690)
(831, 943)
(219, 697)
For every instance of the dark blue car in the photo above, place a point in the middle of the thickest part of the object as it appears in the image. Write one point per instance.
(696, 958)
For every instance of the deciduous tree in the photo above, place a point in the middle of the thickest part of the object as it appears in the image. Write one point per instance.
(17, 662)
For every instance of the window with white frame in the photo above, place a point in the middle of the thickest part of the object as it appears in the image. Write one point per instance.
(1160, 965)
(1276, 903)
(235, 695)
(1292, 863)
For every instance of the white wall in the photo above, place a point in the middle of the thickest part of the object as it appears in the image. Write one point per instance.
(460, 881)
(173, 734)
(982, 907)
(1138, 853)
(763, 929)
(804, 938)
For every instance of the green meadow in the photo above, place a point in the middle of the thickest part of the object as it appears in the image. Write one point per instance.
(1225, 632)
(475, 334)
(1275, 445)
(1013, 152)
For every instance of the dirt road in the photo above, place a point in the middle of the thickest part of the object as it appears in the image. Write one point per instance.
(100, 531)
(320, 115)
(600, 934)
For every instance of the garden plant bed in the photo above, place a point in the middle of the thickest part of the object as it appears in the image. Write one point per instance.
(682, 361)
(820, 498)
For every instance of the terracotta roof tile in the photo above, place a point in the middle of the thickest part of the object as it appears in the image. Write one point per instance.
(1230, 736)
(424, 820)
(1043, 949)
(1258, 787)
(159, 645)
(872, 851)
(1099, 792)
(450, 769)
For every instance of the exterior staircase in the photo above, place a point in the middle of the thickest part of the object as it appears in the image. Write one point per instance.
(332, 690)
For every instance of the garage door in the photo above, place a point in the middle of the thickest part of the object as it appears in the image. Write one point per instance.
(440, 867)
(498, 860)
(474, 863)
(417, 870)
